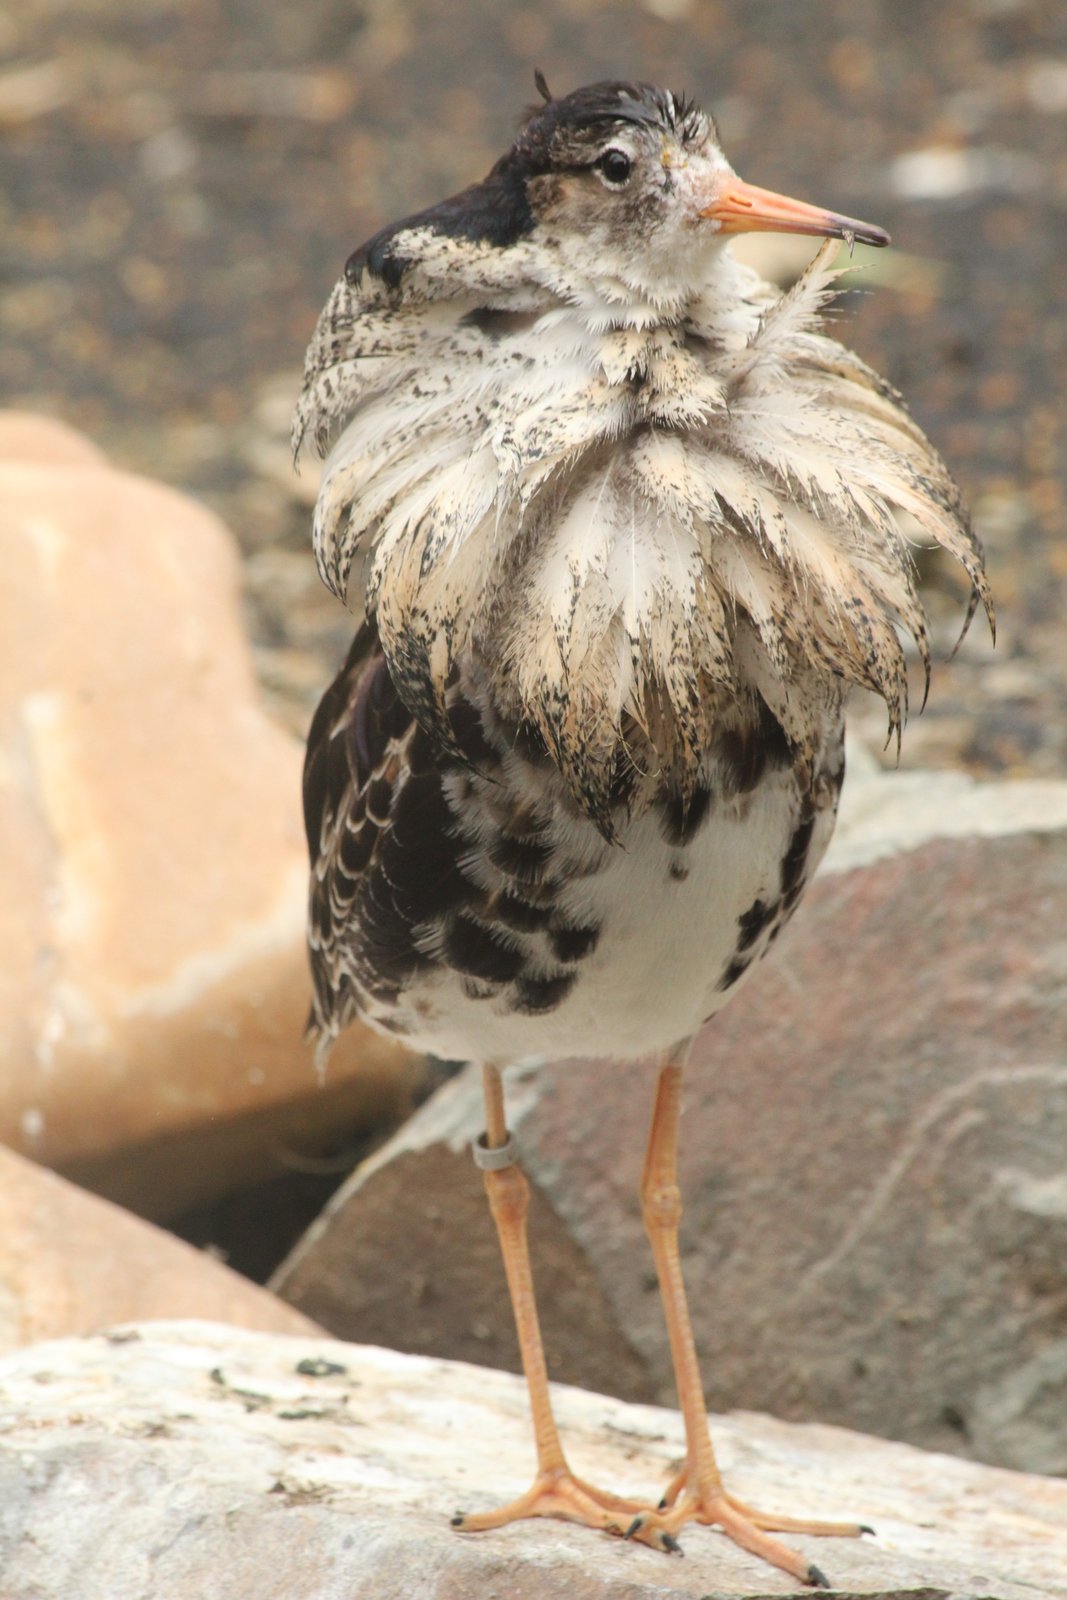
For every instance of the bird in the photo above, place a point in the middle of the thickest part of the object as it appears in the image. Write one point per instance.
(622, 524)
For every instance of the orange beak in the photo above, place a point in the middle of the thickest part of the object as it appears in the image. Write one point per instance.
(742, 208)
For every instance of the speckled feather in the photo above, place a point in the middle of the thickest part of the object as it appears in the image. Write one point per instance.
(461, 899)
(625, 503)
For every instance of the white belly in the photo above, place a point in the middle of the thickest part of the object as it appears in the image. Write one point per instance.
(670, 920)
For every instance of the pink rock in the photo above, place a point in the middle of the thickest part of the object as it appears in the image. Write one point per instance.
(74, 1263)
(152, 969)
(26, 436)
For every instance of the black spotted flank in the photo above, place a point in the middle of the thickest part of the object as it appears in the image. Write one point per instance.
(752, 922)
(537, 995)
(515, 912)
(683, 816)
(481, 951)
(522, 857)
(747, 753)
(795, 860)
(737, 969)
(573, 944)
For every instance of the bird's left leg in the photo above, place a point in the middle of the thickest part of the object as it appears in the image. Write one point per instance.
(697, 1493)
(556, 1491)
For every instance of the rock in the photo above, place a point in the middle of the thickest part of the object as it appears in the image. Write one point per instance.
(1020, 1416)
(152, 971)
(886, 814)
(27, 437)
(872, 1148)
(407, 1254)
(189, 1460)
(74, 1263)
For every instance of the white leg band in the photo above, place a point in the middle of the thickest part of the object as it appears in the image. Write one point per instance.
(493, 1158)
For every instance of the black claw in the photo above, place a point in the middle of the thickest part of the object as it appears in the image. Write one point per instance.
(817, 1578)
(864, 1528)
(635, 1527)
(669, 1542)
(459, 1519)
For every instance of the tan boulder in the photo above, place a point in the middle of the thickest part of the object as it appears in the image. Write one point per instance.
(152, 969)
(73, 1263)
(28, 437)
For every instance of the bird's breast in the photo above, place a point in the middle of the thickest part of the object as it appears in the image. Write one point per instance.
(570, 945)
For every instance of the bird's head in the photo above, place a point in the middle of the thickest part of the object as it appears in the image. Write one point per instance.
(628, 185)
(618, 195)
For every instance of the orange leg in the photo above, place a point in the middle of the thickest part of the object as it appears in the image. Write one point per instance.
(556, 1491)
(697, 1493)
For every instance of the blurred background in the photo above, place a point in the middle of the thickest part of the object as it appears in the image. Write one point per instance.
(183, 180)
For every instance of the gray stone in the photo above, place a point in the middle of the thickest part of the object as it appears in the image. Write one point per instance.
(195, 1462)
(406, 1253)
(1020, 1416)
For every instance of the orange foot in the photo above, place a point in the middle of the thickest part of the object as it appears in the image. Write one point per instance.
(558, 1493)
(749, 1528)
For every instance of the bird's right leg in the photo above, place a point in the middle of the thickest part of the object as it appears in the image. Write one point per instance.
(697, 1494)
(556, 1491)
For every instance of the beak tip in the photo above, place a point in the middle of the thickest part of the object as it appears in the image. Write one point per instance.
(741, 207)
(878, 237)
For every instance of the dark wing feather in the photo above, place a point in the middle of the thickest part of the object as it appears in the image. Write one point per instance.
(327, 771)
(386, 851)
(429, 857)
(351, 772)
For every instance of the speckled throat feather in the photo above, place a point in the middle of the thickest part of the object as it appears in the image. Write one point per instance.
(630, 519)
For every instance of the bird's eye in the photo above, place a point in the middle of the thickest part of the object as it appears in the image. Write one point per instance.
(615, 165)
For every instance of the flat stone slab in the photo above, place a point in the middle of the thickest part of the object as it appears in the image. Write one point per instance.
(192, 1461)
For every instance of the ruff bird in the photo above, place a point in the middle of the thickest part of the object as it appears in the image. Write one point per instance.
(623, 524)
